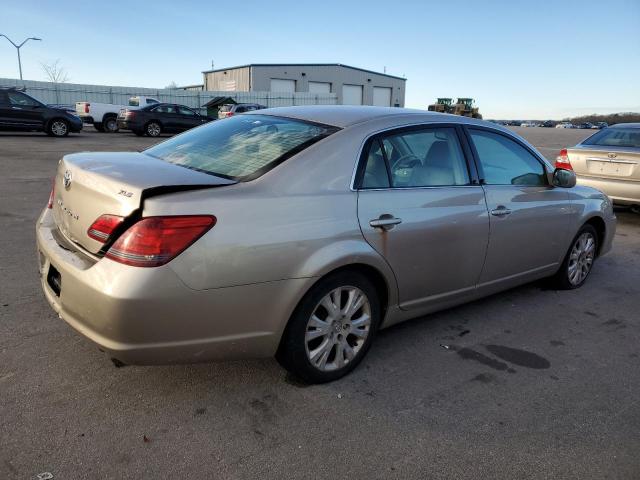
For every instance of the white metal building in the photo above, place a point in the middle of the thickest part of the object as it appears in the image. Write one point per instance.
(352, 85)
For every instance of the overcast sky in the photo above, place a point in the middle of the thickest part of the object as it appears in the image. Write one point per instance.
(518, 59)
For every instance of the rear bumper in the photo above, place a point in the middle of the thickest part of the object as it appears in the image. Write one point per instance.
(622, 192)
(149, 316)
(128, 125)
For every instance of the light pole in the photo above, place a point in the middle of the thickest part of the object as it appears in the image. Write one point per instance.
(18, 49)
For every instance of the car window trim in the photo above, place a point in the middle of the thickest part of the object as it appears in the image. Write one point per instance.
(476, 157)
(358, 176)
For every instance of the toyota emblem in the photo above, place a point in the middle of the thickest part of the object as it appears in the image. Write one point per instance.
(67, 179)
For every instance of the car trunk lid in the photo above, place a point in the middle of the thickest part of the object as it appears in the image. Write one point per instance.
(606, 162)
(89, 185)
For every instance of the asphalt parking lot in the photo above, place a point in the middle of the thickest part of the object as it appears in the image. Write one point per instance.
(539, 384)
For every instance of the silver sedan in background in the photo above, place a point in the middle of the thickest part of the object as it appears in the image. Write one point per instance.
(299, 232)
(608, 160)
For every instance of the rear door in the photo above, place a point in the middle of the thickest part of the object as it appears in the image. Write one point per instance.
(420, 208)
(5, 111)
(25, 111)
(529, 218)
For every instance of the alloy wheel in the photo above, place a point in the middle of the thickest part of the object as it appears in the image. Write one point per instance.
(581, 258)
(338, 328)
(153, 129)
(59, 128)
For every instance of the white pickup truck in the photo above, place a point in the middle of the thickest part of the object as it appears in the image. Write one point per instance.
(104, 116)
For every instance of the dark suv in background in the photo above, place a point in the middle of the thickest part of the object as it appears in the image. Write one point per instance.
(21, 112)
(153, 120)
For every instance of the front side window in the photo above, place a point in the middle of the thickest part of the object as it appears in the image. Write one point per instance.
(615, 137)
(242, 147)
(22, 100)
(186, 111)
(505, 162)
(429, 157)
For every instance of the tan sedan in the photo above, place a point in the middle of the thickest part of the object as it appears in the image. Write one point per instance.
(299, 232)
(609, 160)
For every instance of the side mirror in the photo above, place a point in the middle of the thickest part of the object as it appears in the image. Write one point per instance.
(564, 178)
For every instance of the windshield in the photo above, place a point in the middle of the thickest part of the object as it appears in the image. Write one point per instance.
(616, 137)
(242, 147)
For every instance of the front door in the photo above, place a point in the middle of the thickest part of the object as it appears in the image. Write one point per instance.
(420, 210)
(189, 118)
(529, 217)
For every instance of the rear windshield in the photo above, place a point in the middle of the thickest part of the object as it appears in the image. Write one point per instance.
(615, 137)
(226, 108)
(240, 148)
(134, 102)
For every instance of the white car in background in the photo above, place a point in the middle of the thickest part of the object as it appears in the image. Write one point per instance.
(565, 125)
(104, 116)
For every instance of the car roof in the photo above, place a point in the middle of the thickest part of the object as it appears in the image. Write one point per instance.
(347, 115)
(625, 125)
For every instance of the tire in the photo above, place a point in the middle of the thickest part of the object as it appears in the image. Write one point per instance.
(318, 341)
(98, 126)
(578, 262)
(110, 124)
(153, 129)
(58, 128)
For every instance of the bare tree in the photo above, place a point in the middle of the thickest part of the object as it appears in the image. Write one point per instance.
(55, 72)
(172, 86)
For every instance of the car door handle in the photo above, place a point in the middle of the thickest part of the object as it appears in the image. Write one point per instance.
(16, 108)
(501, 211)
(385, 222)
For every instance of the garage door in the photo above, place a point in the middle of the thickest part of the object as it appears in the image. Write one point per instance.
(280, 85)
(382, 96)
(319, 87)
(352, 94)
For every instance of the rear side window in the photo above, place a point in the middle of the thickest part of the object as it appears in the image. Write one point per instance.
(242, 147)
(20, 99)
(429, 157)
(506, 162)
(151, 101)
(615, 137)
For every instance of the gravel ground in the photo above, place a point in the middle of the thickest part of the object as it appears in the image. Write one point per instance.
(538, 384)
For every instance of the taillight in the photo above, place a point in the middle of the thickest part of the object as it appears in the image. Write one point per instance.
(229, 114)
(562, 160)
(154, 241)
(86, 107)
(52, 194)
(103, 227)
